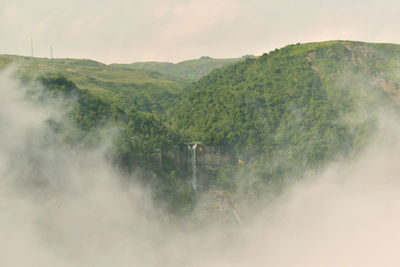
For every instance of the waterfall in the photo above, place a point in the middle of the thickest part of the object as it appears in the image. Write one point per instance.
(192, 161)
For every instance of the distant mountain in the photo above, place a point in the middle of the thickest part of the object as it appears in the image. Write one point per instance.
(294, 108)
(191, 70)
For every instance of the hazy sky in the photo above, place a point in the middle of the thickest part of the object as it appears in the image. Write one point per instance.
(175, 30)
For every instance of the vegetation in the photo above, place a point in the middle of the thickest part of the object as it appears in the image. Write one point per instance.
(281, 114)
(191, 70)
(291, 110)
(147, 90)
(148, 86)
(136, 147)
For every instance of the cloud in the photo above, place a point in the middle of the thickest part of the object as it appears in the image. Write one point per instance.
(345, 216)
(198, 17)
(66, 206)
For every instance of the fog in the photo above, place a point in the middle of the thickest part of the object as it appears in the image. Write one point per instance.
(68, 206)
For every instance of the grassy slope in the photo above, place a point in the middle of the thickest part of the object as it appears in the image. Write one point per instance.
(192, 69)
(115, 84)
(150, 86)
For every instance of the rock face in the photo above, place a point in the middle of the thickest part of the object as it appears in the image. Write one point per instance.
(210, 157)
(207, 160)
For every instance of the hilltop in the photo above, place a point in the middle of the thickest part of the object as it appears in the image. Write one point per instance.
(191, 70)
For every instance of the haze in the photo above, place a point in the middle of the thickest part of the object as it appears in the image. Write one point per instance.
(65, 206)
(175, 30)
(66, 201)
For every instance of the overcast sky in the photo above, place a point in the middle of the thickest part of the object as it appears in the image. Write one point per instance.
(175, 30)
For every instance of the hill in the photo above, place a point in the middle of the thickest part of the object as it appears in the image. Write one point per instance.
(281, 114)
(149, 86)
(147, 90)
(292, 109)
(191, 70)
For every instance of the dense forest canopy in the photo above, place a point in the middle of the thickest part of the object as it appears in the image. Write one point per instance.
(292, 109)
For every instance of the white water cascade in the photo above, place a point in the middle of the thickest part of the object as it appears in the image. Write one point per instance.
(192, 160)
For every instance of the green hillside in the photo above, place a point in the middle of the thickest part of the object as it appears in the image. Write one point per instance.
(292, 109)
(131, 102)
(147, 90)
(149, 86)
(191, 70)
(281, 114)
(135, 147)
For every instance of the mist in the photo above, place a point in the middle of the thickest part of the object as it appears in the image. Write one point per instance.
(69, 206)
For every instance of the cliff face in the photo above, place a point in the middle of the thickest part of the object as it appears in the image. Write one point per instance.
(207, 160)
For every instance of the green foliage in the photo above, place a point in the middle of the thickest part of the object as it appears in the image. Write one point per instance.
(191, 70)
(177, 195)
(291, 110)
(282, 114)
(140, 138)
(149, 86)
(147, 90)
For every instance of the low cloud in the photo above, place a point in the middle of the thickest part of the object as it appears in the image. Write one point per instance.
(66, 206)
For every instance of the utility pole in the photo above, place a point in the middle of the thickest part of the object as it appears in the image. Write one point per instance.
(51, 51)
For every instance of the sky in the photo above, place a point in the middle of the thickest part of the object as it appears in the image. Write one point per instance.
(128, 31)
